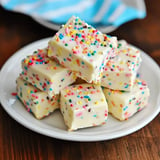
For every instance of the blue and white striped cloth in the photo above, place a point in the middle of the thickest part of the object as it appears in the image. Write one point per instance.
(95, 12)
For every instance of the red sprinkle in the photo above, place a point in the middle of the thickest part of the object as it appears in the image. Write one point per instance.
(14, 94)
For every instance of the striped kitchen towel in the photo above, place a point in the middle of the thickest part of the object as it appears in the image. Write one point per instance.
(95, 12)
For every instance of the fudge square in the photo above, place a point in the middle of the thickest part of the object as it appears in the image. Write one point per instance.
(120, 72)
(83, 105)
(82, 48)
(122, 104)
(36, 101)
(46, 74)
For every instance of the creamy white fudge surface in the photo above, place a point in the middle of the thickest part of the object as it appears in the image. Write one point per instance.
(123, 104)
(36, 101)
(83, 105)
(120, 72)
(46, 74)
(81, 48)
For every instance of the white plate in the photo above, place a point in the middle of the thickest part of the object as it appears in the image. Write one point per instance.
(53, 125)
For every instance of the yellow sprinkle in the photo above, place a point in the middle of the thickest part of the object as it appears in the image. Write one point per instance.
(28, 91)
(101, 74)
(124, 51)
(100, 52)
(96, 102)
(26, 61)
(102, 99)
(49, 52)
(112, 92)
(120, 110)
(79, 102)
(121, 62)
(88, 42)
(52, 80)
(38, 107)
(59, 51)
(86, 92)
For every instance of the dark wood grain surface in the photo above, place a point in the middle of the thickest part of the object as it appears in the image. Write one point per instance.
(18, 142)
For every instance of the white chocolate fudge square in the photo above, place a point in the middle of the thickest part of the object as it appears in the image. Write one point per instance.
(36, 101)
(120, 72)
(83, 105)
(82, 48)
(46, 74)
(122, 104)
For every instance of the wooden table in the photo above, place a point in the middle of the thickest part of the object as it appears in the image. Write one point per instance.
(18, 142)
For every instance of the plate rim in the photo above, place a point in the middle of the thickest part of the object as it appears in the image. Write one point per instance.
(72, 137)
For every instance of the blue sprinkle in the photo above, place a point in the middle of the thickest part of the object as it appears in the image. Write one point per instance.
(126, 86)
(88, 54)
(125, 108)
(61, 36)
(86, 97)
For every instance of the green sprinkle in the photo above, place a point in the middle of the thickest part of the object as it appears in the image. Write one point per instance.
(119, 45)
(111, 45)
(36, 102)
(48, 82)
(82, 62)
(35, 85)
(138, 108)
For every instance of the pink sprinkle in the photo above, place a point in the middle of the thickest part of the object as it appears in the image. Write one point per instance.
(84, 107)
(79, 114)
(66, 31)
(128, 75)
(93, 92)
(86, 89)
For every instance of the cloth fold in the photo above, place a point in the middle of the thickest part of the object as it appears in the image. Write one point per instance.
(95, 12)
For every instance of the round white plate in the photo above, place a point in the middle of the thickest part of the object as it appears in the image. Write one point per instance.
(55, 26)
(53, 125)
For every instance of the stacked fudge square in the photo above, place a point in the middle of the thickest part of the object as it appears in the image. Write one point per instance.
(107, 68)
